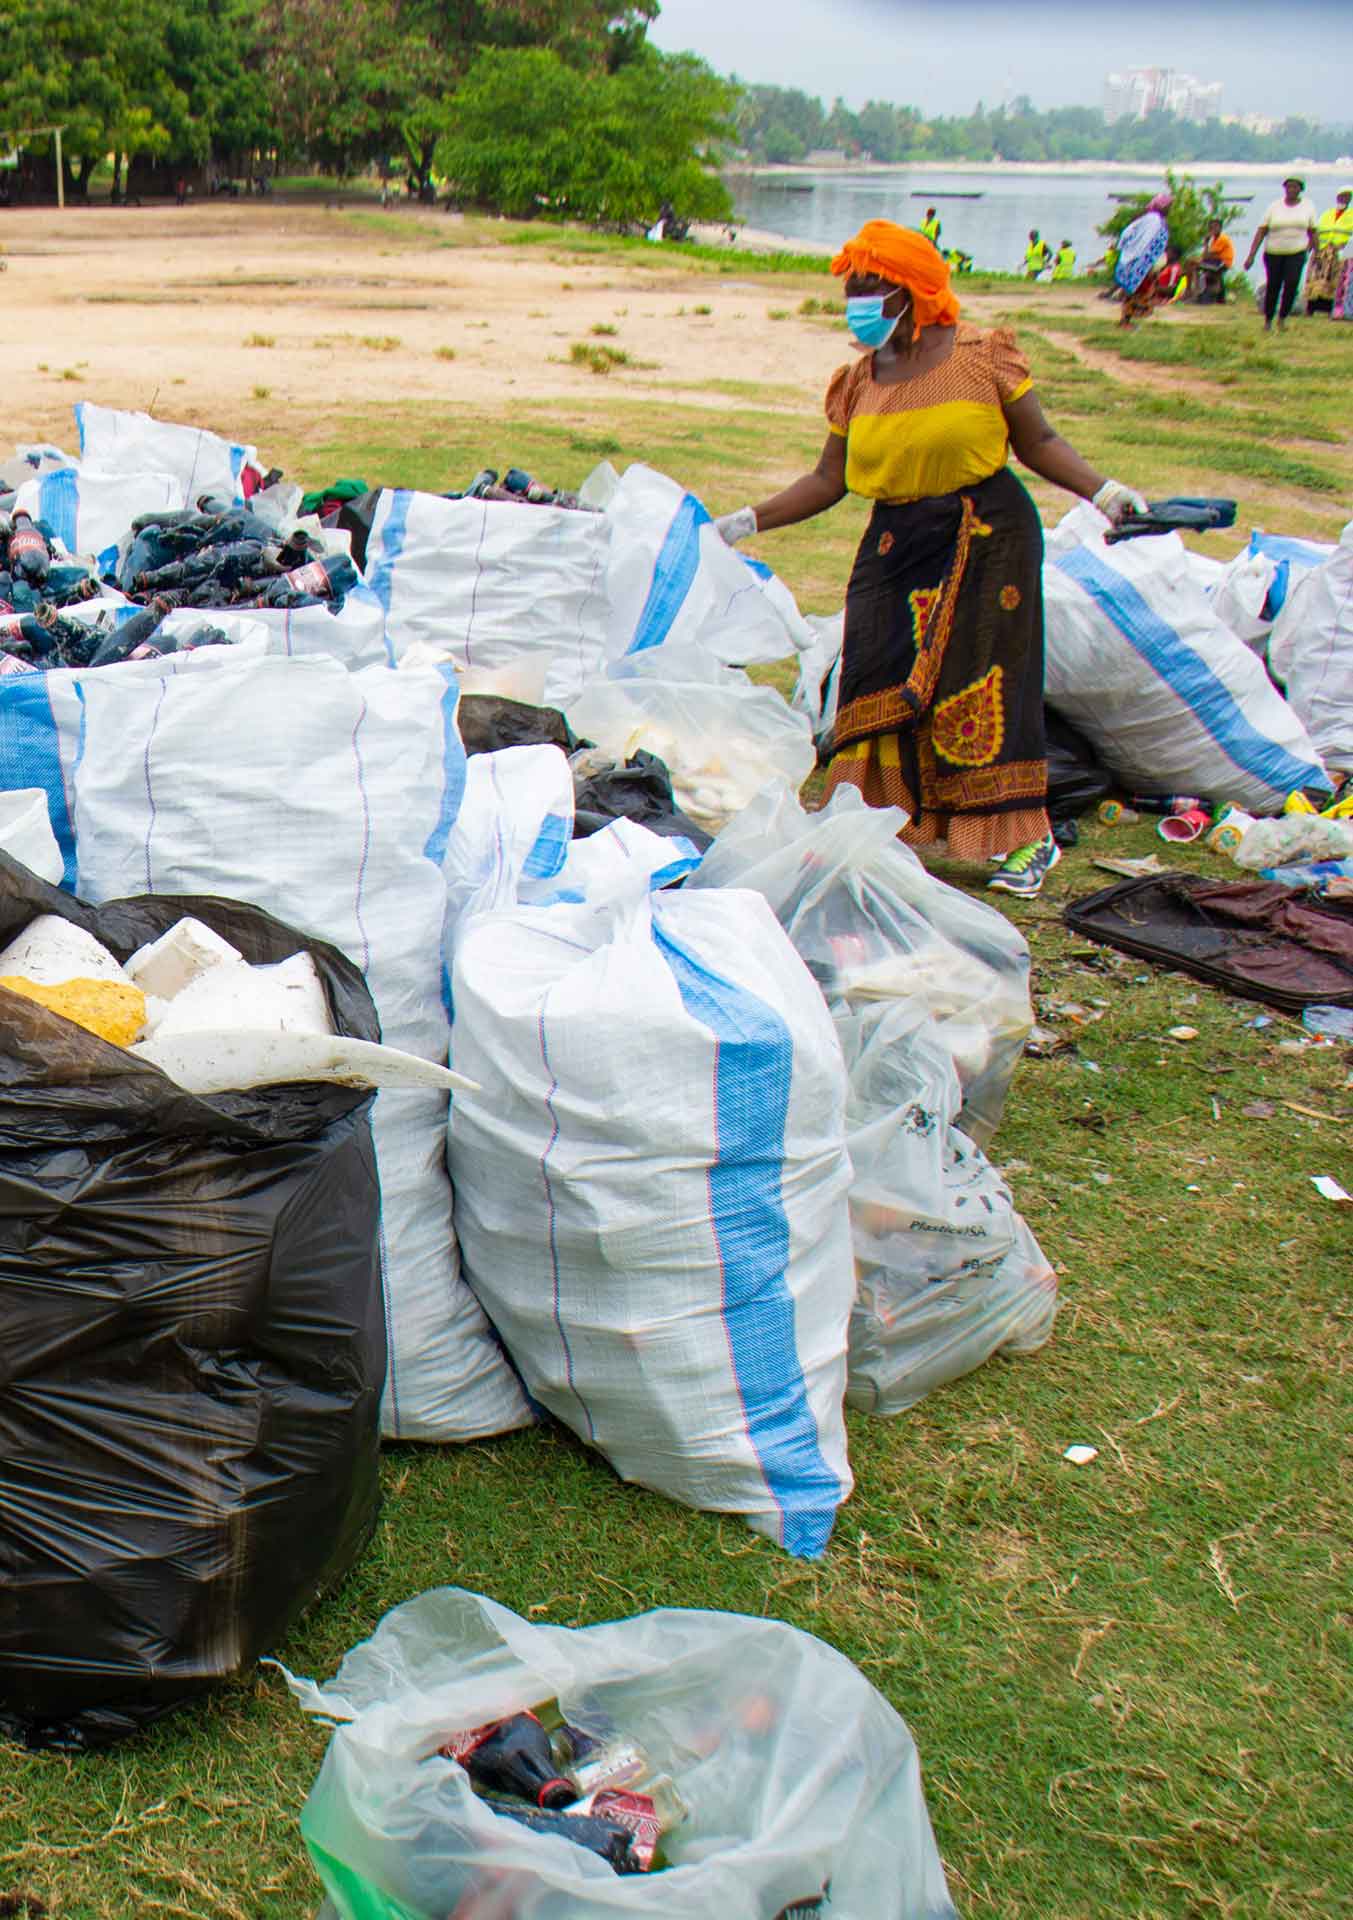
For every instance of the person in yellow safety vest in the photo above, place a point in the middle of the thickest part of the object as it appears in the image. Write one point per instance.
(931, 225)
(1334, 230)
(1036, 255)
(1064, 266)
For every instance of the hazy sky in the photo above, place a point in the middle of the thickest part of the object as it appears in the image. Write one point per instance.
(1293, 57)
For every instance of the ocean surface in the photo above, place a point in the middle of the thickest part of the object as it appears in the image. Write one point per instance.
(826, 207)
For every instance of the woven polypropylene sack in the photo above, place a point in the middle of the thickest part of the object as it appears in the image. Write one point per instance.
(1311, 652)
(490, 586)
(651, 1189)
(1172, 701)
(192, 1346)
(115, 441)
(799, 1776)
(327, 797)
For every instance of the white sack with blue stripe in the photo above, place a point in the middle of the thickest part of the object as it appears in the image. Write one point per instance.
(651, 1191)
(672, 578)
(1172, 701)
(327, 798)
(512, 596)
(1311, 652)
(91, 512)
(115, 441)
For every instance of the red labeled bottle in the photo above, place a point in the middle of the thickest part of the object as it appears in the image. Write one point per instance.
(512, 1756)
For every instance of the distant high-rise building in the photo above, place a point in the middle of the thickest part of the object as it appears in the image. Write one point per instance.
(1139, 91)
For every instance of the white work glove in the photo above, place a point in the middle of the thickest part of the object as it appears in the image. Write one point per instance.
(1116, 502)
(736, 526)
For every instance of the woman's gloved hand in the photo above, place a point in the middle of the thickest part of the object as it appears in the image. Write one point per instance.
(736, 526)
(1116, 502)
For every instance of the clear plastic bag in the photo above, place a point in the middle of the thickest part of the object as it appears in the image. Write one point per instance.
(798, 1774)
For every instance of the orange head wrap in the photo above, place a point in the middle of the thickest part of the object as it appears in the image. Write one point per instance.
(882, 247)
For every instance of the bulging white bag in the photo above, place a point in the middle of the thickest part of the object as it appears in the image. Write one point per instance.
(26, 833)
(489, 585)
(1171, 700)
(115, 441)
(721, 737)
(819, 683)
(929, 992)
(651, 1188)
(797, 1773)
(671, 577)
(89, 512)
(325, 797)
(1311, 652)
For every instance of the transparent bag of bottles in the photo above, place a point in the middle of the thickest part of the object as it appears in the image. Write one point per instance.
(802, 1783)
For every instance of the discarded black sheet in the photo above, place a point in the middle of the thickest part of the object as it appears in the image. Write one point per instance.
(1076, 780)
(1255, 938)
(640, 790)
(487, 723)
(192, 1347)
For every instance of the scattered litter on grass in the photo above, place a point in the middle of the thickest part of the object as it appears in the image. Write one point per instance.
(1080, 1456)
(1183, 1033)
(1329, 1189)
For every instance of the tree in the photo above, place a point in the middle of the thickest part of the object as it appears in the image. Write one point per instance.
(530, 131)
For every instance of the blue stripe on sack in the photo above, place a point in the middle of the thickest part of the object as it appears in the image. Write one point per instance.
(1211, 703)
(754, 1059)
(758, 567)
(393, 534)
(555, 1286)
(237, 458)
(688, 859)
(551, 847)
(80, 422)
(30, 756)
(58, 505)
(673, 575)
(1276, 597)
(453, 793)
(1283, 546)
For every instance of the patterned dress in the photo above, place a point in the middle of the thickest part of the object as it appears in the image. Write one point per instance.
(941, 705)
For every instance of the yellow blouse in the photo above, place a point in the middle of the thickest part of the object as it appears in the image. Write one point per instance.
(935, 434)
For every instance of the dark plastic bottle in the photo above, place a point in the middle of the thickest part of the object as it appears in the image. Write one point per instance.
(29, 553)
(513, 1756)
(614, 1843)
(332, 577)
(133, 633)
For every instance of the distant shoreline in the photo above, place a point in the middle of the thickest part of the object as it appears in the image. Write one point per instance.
(1237, 169)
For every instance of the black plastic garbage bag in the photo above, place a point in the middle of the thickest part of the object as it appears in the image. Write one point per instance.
(488, 723)
(1076, 780)
(640, 790)
(192, 1347)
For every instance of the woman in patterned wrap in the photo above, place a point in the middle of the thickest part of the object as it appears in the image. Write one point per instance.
(941, 701)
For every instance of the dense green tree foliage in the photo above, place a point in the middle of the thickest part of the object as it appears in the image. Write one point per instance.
(782, 124)
(531, 132)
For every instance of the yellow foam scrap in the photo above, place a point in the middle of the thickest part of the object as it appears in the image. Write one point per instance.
(114, 1010)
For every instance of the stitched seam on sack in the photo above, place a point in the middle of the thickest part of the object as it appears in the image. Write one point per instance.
(150, 791)
(554, 1228)
(478, 576)
(366, 842)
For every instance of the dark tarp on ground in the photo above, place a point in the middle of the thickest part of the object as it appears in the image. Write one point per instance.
(488, 724)
(640, 790)
(192, 1347)
(1076, 780)
(1255, 938)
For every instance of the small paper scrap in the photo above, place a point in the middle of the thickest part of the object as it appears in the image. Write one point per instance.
(1081, 1456)
(1330, 1189)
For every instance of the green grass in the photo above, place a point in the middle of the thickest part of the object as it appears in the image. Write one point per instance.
(1129, 1682)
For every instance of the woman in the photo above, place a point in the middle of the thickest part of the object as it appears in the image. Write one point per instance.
(1157, 290)
(1141, 245)
(1332, 235)
(941, 701)
(1287, 235)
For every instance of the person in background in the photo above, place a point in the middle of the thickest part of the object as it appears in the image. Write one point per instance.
(1036, 255)
(958, 261)
(1064, 266)
(1219, 256)
(931, 225)
(1332, 235)
(941, 702)
(1167, 283)
(1287, 234)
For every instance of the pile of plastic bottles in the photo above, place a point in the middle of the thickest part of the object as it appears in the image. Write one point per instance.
(518, 485)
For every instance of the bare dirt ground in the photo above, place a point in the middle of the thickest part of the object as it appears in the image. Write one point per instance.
(193, 310)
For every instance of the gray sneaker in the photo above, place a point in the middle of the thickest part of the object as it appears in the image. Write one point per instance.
(1027, 868)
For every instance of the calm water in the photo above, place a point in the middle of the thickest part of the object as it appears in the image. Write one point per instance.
(994, 228)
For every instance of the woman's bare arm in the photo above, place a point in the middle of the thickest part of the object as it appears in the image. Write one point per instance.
(813, 493)
(1261, 235)
(1042, 449)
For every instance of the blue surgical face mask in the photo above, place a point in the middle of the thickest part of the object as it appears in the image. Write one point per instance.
(867, 320)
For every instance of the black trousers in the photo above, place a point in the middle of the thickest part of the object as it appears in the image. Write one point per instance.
(1283, 275)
